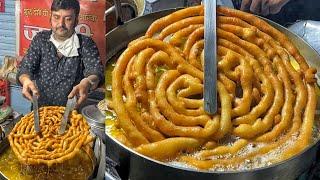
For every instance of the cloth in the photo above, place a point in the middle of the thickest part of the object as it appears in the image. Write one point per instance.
(69, 47)
(54, 76)
(237, 3)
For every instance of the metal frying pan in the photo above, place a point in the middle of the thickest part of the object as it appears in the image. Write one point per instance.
(134, 166)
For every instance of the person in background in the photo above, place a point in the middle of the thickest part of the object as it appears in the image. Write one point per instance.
(263, 7)
(60, 63)
(284, 12)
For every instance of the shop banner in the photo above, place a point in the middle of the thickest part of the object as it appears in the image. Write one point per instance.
(35, 17)
(2, 6)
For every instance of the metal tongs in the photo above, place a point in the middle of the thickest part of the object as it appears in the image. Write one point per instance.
(35, 111)
(71, 103)
(210, 57)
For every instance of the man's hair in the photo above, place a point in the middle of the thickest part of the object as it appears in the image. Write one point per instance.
(66, 4)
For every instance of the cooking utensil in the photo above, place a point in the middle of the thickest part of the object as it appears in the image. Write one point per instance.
(94, 154)
(131, 165)
(102, 162)
(210, 57)
(71, 103)
(119, 13)
(95, 119)
(35, 111)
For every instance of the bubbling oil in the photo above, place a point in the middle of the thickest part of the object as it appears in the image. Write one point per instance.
(260, 161)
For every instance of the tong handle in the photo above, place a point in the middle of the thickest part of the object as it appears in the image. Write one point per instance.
(35, 84)
(71, 103)
(35, 110)
(210, 57)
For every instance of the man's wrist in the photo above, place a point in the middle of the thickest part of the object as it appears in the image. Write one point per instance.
(24, 78)
(91, 83)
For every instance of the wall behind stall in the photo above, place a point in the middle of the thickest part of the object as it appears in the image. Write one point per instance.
(8, 40)
(7, 30)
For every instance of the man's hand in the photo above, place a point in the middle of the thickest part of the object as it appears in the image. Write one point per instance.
(81, 91)
(263, 7)
(28, 87)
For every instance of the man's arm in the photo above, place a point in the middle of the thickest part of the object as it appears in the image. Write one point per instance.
(263, 7)
(93, 81)
(93, 71)
(27, 86)
(91, 61)
(28, 66)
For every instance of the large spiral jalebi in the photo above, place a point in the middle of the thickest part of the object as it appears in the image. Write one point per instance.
(158, 85)
(48, 147)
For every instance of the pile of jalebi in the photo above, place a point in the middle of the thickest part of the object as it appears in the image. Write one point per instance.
(48, 147)
(158, 87)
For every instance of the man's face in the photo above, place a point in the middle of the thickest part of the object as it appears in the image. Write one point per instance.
(63, 23)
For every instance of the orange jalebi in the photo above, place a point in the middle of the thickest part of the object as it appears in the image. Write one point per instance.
(48, 147)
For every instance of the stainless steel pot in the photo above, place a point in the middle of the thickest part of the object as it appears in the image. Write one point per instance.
(95, 119)
(98, 162)
(134, 166)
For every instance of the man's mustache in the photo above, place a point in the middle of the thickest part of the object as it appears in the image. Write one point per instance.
(61, 27)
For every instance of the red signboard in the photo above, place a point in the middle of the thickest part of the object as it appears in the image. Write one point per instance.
(2, 6)
(35, 16)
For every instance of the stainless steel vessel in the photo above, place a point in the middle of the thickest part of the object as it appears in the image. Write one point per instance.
(134, 166)
(95, 119)
(97, 152)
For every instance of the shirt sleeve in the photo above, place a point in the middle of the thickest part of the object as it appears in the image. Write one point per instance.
(91, 60)
(31, 60)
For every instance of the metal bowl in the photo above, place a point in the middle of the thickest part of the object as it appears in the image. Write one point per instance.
(95, 119)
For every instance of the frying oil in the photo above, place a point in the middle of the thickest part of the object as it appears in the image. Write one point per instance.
(78, 168)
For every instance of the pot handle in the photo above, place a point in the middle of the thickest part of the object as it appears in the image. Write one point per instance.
(118, 9)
